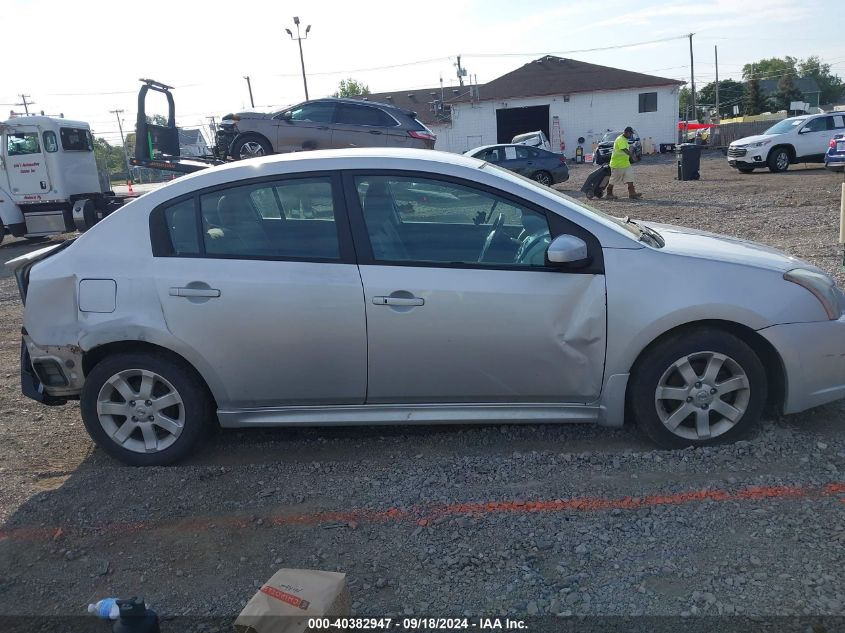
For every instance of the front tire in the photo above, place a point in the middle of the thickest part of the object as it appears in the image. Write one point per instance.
(144, 409)
(251, 146)
(698, 388)
(543, 177)
(778, 160)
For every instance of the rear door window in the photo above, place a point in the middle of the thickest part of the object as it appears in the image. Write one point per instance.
(361, 115)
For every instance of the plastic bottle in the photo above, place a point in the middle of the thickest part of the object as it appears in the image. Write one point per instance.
(105, 609)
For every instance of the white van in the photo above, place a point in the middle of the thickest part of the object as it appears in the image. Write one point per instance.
(799, 139)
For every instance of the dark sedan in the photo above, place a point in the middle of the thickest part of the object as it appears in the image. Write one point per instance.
(834, 160)
(547, 168)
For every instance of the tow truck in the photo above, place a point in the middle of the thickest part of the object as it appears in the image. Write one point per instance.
(48, 178)
(49, 181)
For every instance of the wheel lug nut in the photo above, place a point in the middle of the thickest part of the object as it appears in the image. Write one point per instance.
(705, 406)
(698, 385)
(134, 419)
(131, 403)
(150, 418)
(712, 391)
(689, 398)
(148, 402)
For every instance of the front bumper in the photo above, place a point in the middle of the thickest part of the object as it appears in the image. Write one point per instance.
(51, 375)
(223, 142)
(813, 356)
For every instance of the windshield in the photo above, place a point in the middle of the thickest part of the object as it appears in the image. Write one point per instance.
(784, 126)
(632, 228)
(610, 136)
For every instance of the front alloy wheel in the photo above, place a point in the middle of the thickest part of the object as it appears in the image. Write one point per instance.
(697, 387)
(702, 396)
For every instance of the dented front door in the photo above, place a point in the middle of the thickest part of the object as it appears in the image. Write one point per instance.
(483, 336)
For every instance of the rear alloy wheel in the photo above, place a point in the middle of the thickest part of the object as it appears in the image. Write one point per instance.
(252, 146)
(144, 410)
(543, 177)
(703, 387)
(778, 160)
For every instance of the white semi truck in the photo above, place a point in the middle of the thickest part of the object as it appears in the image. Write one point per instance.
(48, 178)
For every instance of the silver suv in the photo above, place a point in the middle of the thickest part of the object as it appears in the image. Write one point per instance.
(321, 124)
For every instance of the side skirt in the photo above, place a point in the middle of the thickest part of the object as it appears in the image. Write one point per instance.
(376, 414)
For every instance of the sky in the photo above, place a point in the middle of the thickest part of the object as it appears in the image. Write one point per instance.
(84, 58)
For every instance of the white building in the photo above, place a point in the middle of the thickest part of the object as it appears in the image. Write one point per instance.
(565, 98)
(192, 143)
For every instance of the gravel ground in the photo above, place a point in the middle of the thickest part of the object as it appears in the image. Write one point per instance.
(490, 520)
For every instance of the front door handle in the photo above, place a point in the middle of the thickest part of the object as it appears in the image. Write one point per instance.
(399, 301)
(194, 292)
(375, 131)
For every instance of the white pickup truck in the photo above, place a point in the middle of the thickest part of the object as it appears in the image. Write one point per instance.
(48, 177)
(799, 139)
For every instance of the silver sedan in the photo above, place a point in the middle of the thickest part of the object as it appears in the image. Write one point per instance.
(398, 286)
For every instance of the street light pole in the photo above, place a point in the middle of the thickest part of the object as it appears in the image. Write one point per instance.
(117, 113)
(299, 39)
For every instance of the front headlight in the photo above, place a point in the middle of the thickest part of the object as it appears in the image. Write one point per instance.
(822, 286)
(759, 144)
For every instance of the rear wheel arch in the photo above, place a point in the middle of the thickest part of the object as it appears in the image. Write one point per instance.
(767, 354)
(108, 350)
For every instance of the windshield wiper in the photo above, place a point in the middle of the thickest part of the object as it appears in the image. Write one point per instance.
(646, 232)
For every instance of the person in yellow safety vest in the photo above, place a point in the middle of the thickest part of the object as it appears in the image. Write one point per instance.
(620, 165)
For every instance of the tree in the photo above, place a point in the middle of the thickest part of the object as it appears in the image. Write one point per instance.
(109, 158)
(731, 93)
(350, 87)
(755, 101)
(684, 101)
(787, 92)
(770, 68)
(830, 85)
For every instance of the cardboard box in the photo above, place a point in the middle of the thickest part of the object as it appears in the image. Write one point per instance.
(286, 602)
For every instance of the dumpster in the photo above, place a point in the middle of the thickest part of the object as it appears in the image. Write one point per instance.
(689, 161)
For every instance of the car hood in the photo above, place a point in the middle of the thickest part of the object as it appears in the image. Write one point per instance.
(754, 139)
(693, 243)
(254, 115)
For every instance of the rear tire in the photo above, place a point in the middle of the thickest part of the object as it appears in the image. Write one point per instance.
(145, 409)
(778, 160)
(543, 177)
(697, 388)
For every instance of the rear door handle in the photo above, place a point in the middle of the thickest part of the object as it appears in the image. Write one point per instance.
(194, 292)
(398, 301)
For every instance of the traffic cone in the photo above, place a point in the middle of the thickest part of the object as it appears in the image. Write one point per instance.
(129, 184)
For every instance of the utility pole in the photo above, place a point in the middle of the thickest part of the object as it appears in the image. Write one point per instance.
(117, 113)
(25, 104)
(718, 116)
(692, 77)
(299, 39)
(249, 85)
(461, 71)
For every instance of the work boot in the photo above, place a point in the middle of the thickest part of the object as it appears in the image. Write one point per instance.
(632, 192)
(610, 195)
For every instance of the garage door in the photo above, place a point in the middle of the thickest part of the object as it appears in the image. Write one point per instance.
(513, 121)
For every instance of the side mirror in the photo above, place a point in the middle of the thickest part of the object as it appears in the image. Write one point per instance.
(286, 115)
(567, 249)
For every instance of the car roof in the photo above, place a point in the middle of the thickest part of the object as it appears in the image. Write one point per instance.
(359, 102)
(478, 149)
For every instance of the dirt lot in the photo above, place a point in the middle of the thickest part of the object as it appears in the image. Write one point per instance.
(490, 520)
